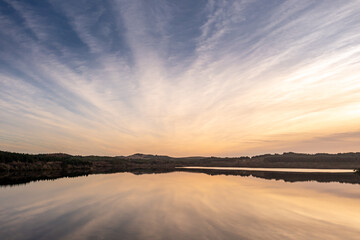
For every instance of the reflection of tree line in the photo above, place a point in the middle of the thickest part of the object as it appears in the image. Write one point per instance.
(16, 178)
(287, 176)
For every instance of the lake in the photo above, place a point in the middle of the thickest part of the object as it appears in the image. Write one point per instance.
(179, 205)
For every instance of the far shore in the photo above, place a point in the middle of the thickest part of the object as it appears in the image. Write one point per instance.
(60, 161)
(17, 168)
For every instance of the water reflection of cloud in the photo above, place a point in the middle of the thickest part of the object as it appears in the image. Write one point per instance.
(179, 206)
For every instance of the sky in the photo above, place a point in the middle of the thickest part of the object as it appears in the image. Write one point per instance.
(181, 78)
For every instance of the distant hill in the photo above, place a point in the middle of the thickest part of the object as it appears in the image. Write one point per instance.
(151, 157)
(147, 156)
(26, 162)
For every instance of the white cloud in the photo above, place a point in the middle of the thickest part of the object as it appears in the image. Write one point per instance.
(255, 75)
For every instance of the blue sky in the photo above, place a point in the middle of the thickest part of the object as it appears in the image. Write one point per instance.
(181, 78)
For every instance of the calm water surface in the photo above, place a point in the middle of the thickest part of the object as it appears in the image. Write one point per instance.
(179, 205)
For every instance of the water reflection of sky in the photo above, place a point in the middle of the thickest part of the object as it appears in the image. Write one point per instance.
(179, 206)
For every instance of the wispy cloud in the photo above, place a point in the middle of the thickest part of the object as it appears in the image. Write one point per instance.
(215, 77)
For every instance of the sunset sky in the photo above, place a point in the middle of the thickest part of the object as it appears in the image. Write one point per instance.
(181, 78)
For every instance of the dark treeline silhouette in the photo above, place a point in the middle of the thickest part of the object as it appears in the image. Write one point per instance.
(60, 161)
(318, 157)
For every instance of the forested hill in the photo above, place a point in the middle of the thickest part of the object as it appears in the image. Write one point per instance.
(19, 161)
